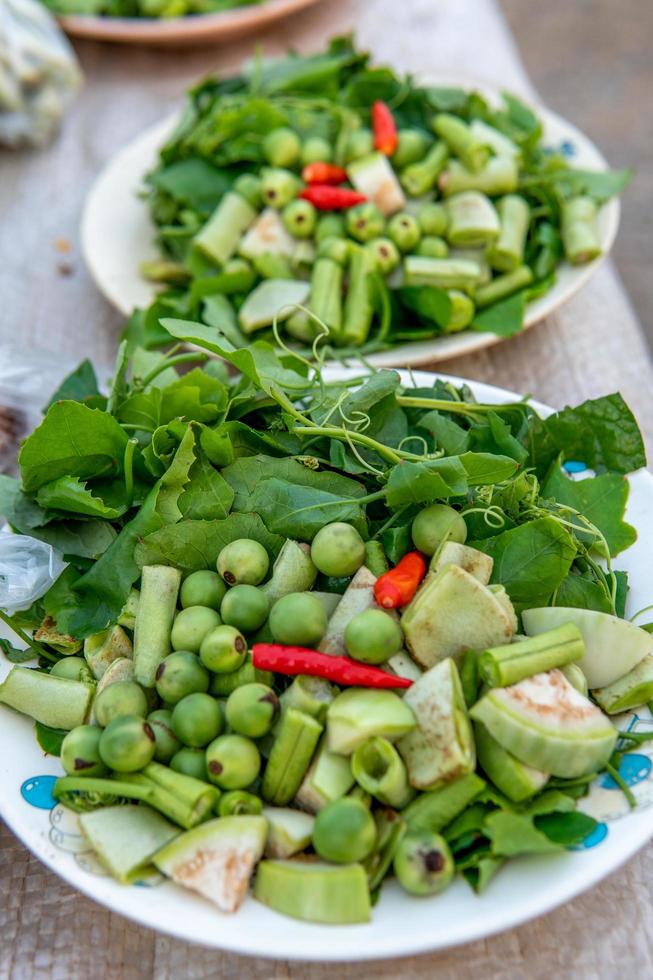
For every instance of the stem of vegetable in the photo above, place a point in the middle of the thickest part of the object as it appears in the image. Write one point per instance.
(87, 784)
(363, 440)
(623, 785)
(391, 520)
(171, 362)
(128, 466)
(27, 639)
(462, 408)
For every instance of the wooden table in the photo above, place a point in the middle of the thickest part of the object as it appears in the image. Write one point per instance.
(592, 346)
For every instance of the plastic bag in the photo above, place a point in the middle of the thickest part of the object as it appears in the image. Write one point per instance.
(39, 74)
(28, 568)
(27, 380)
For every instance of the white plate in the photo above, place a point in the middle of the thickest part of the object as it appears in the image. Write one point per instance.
(400, 925)
(186, 31)
(117, 234)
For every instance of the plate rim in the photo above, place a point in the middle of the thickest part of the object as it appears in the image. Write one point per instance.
(415, 354)
(189, 29)
(593, 874)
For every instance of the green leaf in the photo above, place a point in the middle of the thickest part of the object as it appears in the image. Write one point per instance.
(245, 474)
(298, 511)
(142, 409)
(516, 833)
(397, 540)
(447, 434)
(196, 396)
(71, 494)
(207, 496)
(79, 385)
(16, 655)
(599, 184)
(601, 499)
(192, 182)
(79, 539)
(601, 432)
(433, 479)
(482, 873)
(493, 436)
(192, 545)
(429, 302)
(373, 390)
(578, 592)
(175, 479)
(565, 829)
(49, 739)
(72, 440)
(505, 318)
(100, 594)
(530, 560)
(483, 469)
(258, 362)
(19, 511)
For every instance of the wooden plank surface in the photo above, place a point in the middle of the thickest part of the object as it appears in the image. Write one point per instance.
(47, 300)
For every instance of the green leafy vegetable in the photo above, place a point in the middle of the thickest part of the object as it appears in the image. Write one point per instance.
(72, 440)
(192, 545)
(531, 560)
(601, 499)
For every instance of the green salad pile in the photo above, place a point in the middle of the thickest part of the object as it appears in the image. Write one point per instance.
(144, 8)
(324, 195)
(318, 631)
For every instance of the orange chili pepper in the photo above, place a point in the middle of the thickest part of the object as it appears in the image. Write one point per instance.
(398, 586)
(323, 173)
(384, 129)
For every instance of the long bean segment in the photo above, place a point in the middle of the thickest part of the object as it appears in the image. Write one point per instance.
(499, 176)
(473, 219)
(447, 273)
(507, 253)
(460, 139)
(504, 286)
(419, 178)
(580, 234)
(505, 665)
(359, 309)
(219, 237)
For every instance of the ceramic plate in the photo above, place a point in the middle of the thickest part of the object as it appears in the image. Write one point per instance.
(117, 234)
(401, 925)
(198, 29)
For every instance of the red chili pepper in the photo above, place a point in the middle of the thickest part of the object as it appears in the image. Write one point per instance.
(398, 586)
(323, 173)
(328, 198)
(341, 670)
(385, 129)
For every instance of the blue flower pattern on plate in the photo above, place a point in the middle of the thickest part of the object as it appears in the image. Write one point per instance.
(633, 769)
(565, 148)
(37, 791)
(574, 466)
(595, 837)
